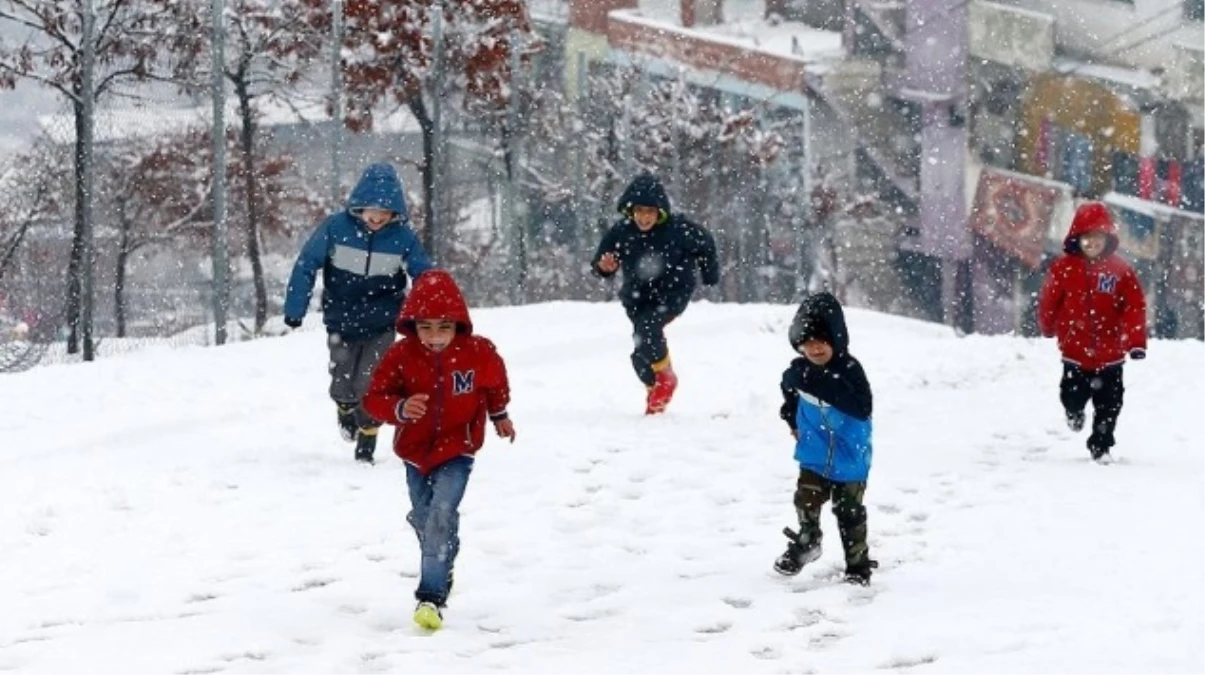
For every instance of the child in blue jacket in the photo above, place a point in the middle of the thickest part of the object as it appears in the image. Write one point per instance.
(827, 404)
(366, 252)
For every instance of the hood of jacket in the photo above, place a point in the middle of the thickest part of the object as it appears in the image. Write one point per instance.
(1091, 217)
(379, 187)
(435, 296)
(820, 316)
(645, 190)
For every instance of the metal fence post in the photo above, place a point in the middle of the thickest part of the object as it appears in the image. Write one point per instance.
(336, 100)
(801, 228)
(516, 227)
(437, 141)
(84, 191)
(581, 221)
(221, 251)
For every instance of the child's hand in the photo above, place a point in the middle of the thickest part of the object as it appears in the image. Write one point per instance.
(505, 429)
(608, 263)
(415, 407)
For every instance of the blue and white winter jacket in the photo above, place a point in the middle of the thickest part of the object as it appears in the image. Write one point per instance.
(829, 407)
(364, 273)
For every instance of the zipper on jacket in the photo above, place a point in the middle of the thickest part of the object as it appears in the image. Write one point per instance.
(832, 437)
(439, 400)
(368, 258)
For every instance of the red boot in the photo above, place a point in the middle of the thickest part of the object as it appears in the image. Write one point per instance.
(662, 390)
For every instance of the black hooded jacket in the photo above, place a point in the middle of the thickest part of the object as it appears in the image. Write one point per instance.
(659, 265)
(841, 382)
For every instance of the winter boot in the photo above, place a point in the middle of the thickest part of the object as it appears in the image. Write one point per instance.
(1100, 455)
(427, 615)
(662, 390)
(347, 421)
(366, 444)
(859, 575)
(797, 554)
(1075, 420)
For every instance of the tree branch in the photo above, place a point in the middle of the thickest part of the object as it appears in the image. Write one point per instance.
(43, 80)
(41, 28)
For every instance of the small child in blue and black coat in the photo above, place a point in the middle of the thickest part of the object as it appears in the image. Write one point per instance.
(827, 404)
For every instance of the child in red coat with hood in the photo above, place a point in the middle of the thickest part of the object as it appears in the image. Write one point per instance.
(1093, 302)
(437, 385)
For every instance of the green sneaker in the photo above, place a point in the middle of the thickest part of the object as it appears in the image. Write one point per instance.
(427, 615)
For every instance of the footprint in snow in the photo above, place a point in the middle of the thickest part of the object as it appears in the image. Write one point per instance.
(766, 653)
(311, 584)
(901, 662)
(825, 639)
(714, 628)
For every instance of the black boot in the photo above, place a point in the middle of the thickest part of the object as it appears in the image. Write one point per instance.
(347, 422)
(1075, 420)
(366, 444)
(859, 574)
(797, 554)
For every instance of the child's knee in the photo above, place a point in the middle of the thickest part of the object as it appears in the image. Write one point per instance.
(809, 497)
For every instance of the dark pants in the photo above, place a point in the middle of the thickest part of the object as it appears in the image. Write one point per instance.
(1105, 389)
(435, 515)
(648, 334)
(811, 493)
(351, 366)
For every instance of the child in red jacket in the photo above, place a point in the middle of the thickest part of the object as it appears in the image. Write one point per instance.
(1092, 300)
(437, 385)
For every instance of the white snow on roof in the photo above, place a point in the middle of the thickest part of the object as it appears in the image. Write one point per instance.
(156, 120)
(549, 9)
(1149, 208)
(1139, 79)
(788, 40)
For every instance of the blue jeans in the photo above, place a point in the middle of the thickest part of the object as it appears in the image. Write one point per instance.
(435, 516)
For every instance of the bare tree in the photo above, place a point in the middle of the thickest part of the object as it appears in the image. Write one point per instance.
(125, 47)
(389, 58)
(38, 193)
(269, 49)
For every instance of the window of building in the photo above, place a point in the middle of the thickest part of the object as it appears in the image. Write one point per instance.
(1194, 10)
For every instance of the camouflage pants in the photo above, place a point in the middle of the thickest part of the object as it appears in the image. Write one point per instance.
(811, 493)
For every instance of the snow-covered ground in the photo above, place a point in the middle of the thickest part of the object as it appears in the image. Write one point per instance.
(192, 510)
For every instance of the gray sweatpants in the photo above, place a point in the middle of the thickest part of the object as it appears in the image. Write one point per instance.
(351, 366)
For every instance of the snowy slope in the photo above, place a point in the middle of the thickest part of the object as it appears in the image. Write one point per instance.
(192, 510)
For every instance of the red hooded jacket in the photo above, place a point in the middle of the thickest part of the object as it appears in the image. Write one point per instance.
(1096, 308)
(466, 381)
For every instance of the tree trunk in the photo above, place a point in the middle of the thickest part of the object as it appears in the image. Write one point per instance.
(75, 262)
(123, 257)
(11, 247)
(247, 140)
(419, 109)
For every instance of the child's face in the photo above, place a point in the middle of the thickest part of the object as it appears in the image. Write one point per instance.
(1092, 244)
(435, 334)
(818, 352)
(376, 218)
(645, 217)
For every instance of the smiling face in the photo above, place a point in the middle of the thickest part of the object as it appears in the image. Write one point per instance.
(818, 352)
(645, 217)
(435, 334)
(375, 219)
(1092, 244)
